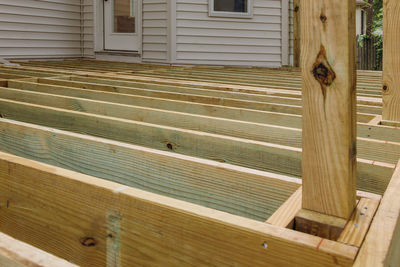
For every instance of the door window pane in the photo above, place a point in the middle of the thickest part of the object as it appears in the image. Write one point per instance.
(124, 16)
(231, 5)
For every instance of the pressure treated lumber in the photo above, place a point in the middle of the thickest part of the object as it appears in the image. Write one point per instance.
(14, 253)
(358, 225)
(373, 176)
(391, 61)
(264, 106)
(329, 106)
(319, 224)
(277, 101)
(382, 244)
(97, 221)
(368, 148)
(197, 108)
(225, 187)
(168, 104)
(284, 216)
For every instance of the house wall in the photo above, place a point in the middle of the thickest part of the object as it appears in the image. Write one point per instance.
(88, 34)
(174, 31)
(291, 31)
(358, 21)
(40, 28)
(155, 30)
(255, 41)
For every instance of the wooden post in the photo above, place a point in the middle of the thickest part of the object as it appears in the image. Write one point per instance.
(296, 33)
(391, 60)
(328, 41)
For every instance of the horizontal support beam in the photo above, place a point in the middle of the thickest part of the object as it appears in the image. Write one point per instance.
(373, 176)
(288, 120)
(14, 253)
(383, 151)
(253, 194)
(133, 227)
(382, 243)
(167, 104)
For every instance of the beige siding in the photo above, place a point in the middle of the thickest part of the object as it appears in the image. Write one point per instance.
(155, 31)
(88, 27)
(40, 28)
(255, 41)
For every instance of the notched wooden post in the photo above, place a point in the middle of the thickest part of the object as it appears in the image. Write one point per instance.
(329, 116)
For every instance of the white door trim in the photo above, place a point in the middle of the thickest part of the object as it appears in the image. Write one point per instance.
(99, 32)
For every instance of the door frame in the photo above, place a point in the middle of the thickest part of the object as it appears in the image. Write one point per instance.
(99, 32)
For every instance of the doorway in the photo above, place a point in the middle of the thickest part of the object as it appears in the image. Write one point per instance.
(121, 24)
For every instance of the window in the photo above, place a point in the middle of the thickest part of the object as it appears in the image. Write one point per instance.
(362, 22)
(231, 8)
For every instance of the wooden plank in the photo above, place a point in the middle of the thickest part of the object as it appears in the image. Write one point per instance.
(355, 229)
(319, 224)
(359, 222)
(291, 98)
(391, 123)
(289, 120)
(202, 95)
(88, 216)
(382, 243)
(368, 149)
(284, 216)
(373, 176)
(376, 121)
(230, 102)
(391, 61)
(168, 104)
(329, 103)
(230, 188)
(14, 253)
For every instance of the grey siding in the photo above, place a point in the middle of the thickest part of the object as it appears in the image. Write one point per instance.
(155, 30)
(88, 27)
(40, 28)
(255, 41)
(291, 30)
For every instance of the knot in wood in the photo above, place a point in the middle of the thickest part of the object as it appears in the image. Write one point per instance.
(323, 74)
(322, 70)
(88, 241)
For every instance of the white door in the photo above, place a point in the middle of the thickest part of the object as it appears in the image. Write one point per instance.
(121, 25)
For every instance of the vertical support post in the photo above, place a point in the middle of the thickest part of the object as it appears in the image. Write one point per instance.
(296, 33)
(328, 42)
(391, 60)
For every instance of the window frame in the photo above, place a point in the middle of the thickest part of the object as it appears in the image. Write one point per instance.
(226, 14)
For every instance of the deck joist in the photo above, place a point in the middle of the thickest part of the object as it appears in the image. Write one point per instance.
(210, 155)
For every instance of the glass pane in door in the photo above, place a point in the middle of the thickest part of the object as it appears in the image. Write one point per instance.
(124, 16)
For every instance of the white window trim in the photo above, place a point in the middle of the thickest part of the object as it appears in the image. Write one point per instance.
(224, 14)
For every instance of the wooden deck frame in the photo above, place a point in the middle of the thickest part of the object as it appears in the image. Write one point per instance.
(104, 227)
(377, 144)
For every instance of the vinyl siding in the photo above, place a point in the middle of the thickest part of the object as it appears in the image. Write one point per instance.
(88, 27)
(40, 28)
(155, 31)
(255, 41)
(291, 30)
